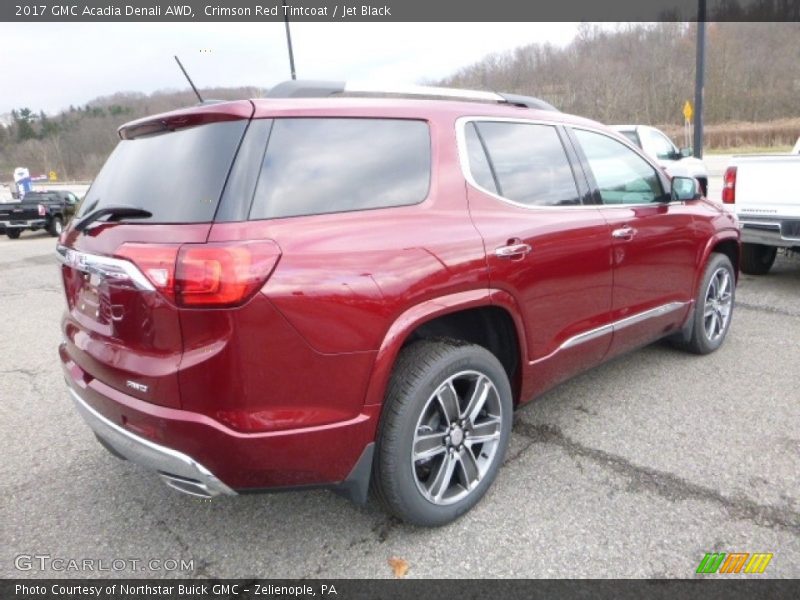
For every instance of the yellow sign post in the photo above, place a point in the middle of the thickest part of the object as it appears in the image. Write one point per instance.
(53, 176)
(688, 112)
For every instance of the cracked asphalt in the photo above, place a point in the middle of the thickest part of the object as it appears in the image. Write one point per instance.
(634, 469)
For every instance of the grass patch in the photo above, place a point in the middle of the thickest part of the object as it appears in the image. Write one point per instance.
(749, 150)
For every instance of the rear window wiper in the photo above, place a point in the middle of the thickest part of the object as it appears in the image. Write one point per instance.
(119, 210)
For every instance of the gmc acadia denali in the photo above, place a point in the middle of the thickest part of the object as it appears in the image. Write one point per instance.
(328, 288)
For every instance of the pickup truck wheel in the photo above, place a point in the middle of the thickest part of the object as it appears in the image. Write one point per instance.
(757, 259)
(56, 227)
(13, 233)
(444, 431)
(713, 306)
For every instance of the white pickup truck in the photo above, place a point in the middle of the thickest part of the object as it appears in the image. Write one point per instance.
(657, 144)
(765, 192)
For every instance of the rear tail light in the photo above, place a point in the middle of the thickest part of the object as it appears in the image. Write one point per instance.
(156, 262)
(729, 186)
(223, 274)
(205, 275)
(42, 210)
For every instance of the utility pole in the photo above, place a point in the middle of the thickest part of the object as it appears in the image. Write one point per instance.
(289, 40)
(700, 73)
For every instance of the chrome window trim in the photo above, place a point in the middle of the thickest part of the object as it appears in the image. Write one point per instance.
(463, 159)
(106, 266)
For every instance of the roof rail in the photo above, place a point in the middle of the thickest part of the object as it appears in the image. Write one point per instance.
(321, 89)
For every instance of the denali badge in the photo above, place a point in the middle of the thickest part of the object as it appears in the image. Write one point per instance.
(139, 387)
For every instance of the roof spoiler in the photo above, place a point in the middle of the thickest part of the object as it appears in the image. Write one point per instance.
(324, 89)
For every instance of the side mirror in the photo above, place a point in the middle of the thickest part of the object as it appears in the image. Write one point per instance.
(686, 152)
(685, 188)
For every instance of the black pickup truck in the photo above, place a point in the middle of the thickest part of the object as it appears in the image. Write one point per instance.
(48, 210)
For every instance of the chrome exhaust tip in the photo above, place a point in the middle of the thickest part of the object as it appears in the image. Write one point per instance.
(188, 486)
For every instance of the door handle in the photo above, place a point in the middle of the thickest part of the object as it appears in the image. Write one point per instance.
(624, 233)
(513, 251)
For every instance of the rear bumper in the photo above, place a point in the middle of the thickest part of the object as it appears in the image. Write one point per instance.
(178, 470)
(771, 232)
(23, 224)
(196, 454)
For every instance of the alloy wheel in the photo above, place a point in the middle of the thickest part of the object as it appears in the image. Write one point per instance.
(457, 437)
(718, 304)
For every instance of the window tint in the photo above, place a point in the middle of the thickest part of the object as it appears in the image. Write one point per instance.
(622, 176)
(478, 164)
(530, 163)
(659, 146)
(177, 176)
(315, 166)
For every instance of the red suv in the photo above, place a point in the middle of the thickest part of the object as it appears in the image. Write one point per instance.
(356, 292)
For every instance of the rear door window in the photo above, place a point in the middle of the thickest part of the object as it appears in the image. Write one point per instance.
(326, 165)
(177, 176)
(528, 161)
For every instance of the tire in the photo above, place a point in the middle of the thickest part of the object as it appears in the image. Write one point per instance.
(13, 233)
(56, 227)
(714, 304)
(419, 491)
(757, 259)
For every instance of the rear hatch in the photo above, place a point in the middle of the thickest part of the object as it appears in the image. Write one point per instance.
(122, 324)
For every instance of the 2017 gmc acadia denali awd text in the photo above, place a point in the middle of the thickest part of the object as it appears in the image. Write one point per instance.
(357, 292)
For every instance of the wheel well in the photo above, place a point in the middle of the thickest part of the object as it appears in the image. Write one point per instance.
(730, 249)
(490, 326)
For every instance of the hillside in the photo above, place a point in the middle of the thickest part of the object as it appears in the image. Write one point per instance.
(644, 73)
(76, 142)
(636, 73)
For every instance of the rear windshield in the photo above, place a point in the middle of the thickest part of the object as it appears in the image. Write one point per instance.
(177, 176)
(325, 165)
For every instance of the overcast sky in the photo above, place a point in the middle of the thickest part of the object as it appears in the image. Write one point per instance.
(48, 66)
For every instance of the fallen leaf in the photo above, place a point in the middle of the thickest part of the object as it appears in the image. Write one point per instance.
(399, 566)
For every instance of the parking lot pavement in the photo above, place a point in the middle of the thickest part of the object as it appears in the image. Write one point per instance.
(634, 469)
